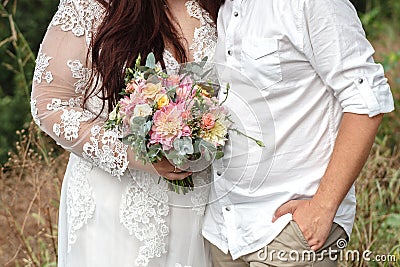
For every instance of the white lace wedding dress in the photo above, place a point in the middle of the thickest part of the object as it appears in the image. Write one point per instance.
(110, 216)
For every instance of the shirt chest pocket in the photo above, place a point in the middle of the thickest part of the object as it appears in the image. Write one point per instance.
(260, 61)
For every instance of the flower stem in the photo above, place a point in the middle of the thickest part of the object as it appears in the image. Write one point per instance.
(228, 86)
(258, 142)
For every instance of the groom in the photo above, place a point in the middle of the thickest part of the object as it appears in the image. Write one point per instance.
(312, 82)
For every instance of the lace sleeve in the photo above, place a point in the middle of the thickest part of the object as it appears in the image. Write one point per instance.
(57, 93)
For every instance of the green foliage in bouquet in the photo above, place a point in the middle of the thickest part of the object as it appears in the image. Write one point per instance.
(174, 116)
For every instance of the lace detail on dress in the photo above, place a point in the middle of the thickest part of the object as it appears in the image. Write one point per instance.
(94, 103)
(70, 124)
(143, 210)
(70, 118)
(204, 41)
(205, 37)
(34, 112)
(81, 73)
(199, 201)
(171, 65)
(199, 197)
(106, 151)
(80, 17)
(58, 104)
(80, 202)
(42, 62)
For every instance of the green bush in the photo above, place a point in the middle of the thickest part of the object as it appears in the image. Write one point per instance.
(17, 63)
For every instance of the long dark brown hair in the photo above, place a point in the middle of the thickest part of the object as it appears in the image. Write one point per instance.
(130, 28)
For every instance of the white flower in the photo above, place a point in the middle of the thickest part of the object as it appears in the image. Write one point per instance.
(142, 110)
(113, 115)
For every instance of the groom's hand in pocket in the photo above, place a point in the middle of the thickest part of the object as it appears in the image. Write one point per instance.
(314, 220)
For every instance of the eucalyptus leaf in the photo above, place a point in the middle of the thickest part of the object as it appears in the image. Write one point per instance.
(207, 155)
(151, 61)
(196, 69)
(219, 155)
(203, 61)
(183, 146)
(171, 92)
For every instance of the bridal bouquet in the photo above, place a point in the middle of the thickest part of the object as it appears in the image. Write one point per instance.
(173, 116)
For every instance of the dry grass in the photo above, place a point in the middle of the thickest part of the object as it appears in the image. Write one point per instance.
(377, 224)
(30, 185)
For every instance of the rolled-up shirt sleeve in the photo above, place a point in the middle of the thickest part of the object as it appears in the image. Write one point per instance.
(335, 44)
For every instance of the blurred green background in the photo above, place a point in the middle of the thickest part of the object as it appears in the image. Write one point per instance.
(22, 26)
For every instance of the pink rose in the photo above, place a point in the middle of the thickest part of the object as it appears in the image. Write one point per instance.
(208, 121)
(151, 90)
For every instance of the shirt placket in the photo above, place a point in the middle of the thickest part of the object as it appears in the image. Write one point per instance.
(227, 209)
(232, 52)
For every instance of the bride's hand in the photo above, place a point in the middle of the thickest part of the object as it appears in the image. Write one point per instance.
(165, 169)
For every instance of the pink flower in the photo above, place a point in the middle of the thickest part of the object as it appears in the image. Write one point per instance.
(184, 90)
(135, 86)
(208, 121)
(167, 125)
(171, 81)
(127, 104)
(185, 114)
(186, 131)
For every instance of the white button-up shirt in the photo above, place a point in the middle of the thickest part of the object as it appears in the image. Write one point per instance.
(307, 62)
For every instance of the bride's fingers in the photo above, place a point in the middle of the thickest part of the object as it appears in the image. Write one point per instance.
(165, 169)
(177, 175)
(177, 170)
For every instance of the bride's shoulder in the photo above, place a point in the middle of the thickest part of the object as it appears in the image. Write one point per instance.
(81, 17)
(82, 2)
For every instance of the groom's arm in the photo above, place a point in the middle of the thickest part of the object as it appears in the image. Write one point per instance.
(315, 217)
(353, 144)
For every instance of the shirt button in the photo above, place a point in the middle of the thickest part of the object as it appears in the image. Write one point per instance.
(228, 209)
(236, 14)
(230, 52)
(219, 173)
(360, 81)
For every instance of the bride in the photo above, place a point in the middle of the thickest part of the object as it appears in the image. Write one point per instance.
(113, 212)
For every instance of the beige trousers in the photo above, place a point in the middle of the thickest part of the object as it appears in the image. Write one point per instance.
(288, 249)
